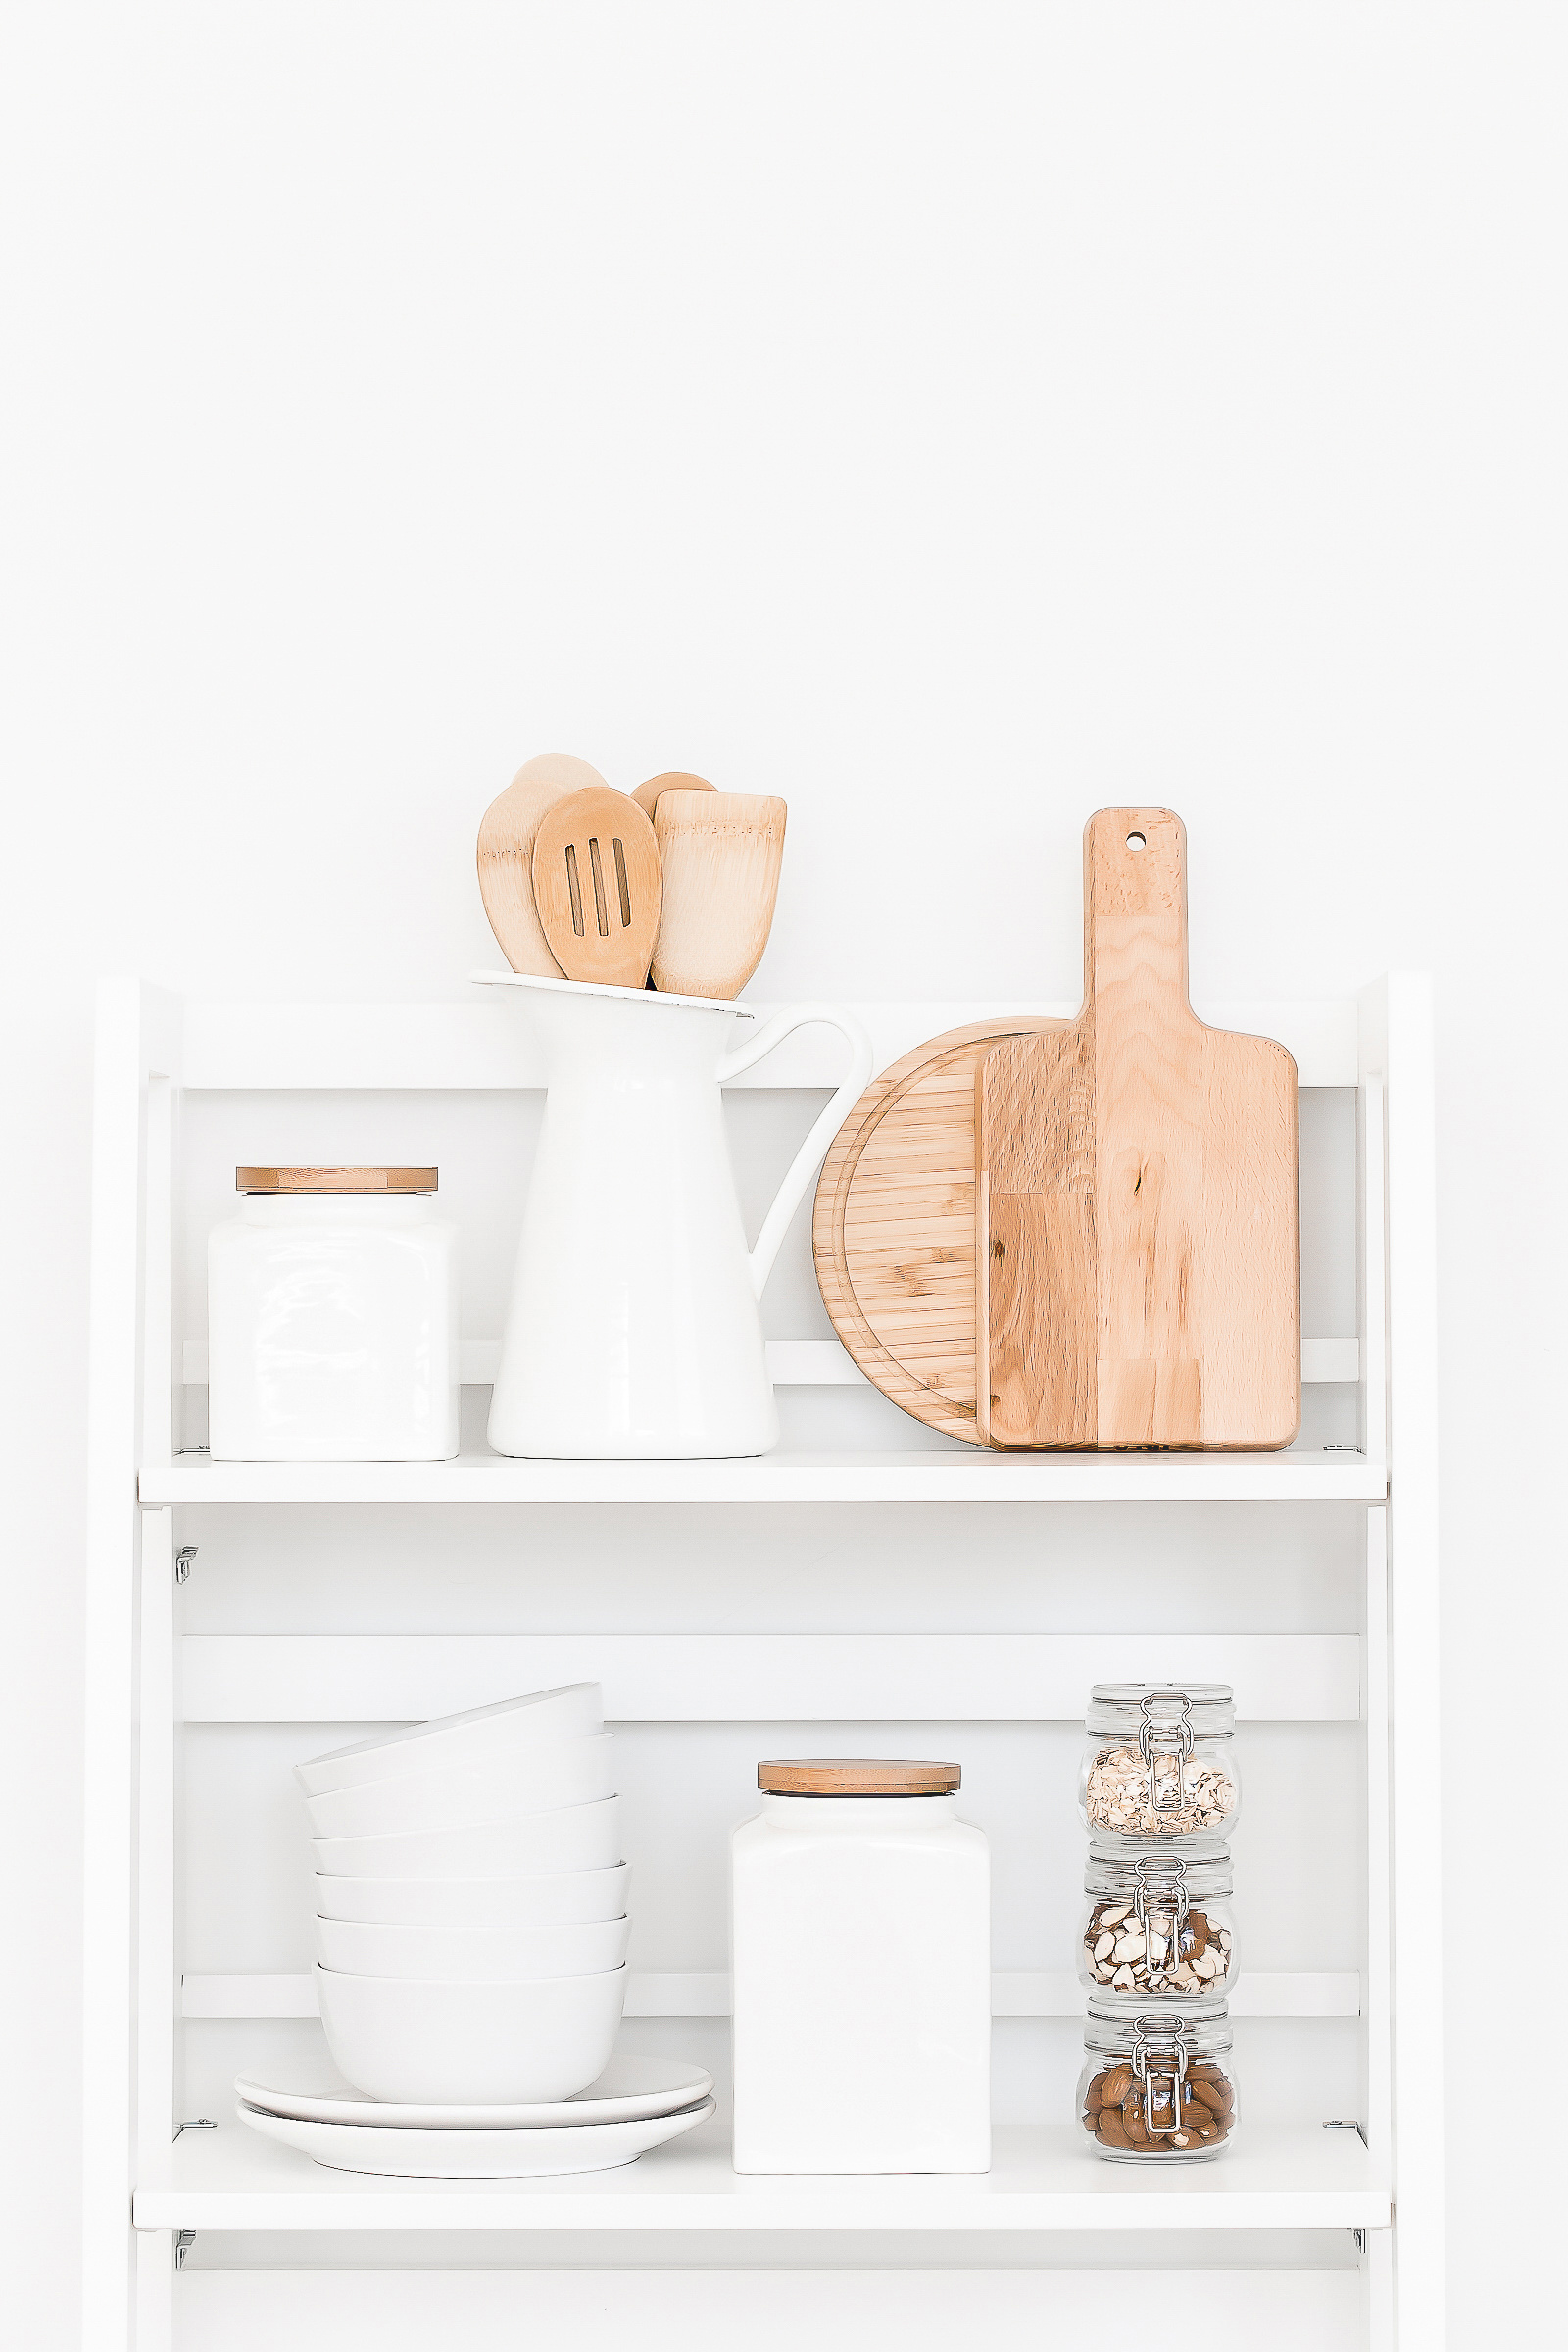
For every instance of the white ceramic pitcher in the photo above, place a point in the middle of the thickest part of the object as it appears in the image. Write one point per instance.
(634, 1328)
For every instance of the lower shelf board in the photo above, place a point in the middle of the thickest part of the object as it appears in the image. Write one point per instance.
(948, 1473)
(1291, 2177)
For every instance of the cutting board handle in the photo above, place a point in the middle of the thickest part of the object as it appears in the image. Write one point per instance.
(1135, 901)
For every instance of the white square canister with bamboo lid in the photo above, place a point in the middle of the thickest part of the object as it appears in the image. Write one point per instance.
(332, 1319)
(860, 1972)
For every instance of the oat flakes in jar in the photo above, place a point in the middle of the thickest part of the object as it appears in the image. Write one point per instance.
(1160, 1761)
(1158, 2088)
(1158, 1924)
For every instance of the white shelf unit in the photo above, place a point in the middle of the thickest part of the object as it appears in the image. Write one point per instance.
(156, 1685)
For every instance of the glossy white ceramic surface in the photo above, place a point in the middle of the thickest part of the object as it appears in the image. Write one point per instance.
(473, 1955)
(634, 1328)
(861, 1957)
(476, 2043)
(332, 1330)
(631, 2085)
(479, 1735)
(537, 1779)
(536, 1902)
(576, 1838)
(487, 2155)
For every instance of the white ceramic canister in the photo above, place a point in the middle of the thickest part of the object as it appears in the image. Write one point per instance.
(635, 1328)
(860, 1973)
(332, 1319)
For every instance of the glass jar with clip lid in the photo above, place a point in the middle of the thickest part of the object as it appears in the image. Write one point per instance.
(1157, 2087)
(1158, 1924)
(1159, 1762)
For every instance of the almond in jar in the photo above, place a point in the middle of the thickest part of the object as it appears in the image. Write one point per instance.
(1156, 2088)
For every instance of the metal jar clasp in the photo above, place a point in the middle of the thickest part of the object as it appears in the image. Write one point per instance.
(1169, 1738)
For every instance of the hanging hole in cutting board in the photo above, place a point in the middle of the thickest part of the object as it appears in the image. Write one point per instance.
(1137, 841)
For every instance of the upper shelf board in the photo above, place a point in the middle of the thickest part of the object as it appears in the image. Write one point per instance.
(953, 1474)
(1280, 2177)
(478, 1044)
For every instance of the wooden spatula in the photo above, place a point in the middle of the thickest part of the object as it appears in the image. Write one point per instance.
(722, 853)
(596, 883)
(1135, 1230)
(506, 856)
(646, 795)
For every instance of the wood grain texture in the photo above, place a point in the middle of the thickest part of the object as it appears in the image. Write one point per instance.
(506, 833)
(646, 795)
(857, 1776)
(721, 852)
(597, 887)
(892, 1229)
(1136, 1244)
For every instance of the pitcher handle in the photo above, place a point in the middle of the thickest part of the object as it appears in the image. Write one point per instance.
(808, 1158)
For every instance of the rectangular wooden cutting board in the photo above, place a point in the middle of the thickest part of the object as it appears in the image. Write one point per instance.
(1137, 1193)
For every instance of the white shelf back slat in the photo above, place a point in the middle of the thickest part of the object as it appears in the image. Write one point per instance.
(434, 1048)
(755, 1678)
(806, 1364)
(1019, 1992)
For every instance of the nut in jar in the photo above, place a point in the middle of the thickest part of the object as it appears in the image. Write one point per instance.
(1158, 1763)
(1158, 1925)
(1157, 2089)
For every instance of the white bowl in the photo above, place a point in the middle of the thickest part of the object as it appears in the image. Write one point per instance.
(568, 1772)
(576, 1838)
(477, 1737)
(471, 1955)
(484, 2044)
(538, 1902)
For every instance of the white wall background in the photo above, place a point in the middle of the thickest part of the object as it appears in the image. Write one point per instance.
(949, 418)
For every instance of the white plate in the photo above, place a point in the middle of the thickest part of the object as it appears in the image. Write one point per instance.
(474, 2155)
(630, 2090)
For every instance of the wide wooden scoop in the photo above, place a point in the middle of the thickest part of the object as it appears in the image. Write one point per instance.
(506, 835)
(1137, 1220)
(721, 852)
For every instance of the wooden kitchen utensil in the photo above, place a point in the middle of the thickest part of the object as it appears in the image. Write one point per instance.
(894, 1230)
(646, 795)
(596, 884)
(1136, 1232)
(722, 853)
(506, 856)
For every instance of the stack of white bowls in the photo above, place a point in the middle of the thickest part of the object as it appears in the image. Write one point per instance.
(471, 1923)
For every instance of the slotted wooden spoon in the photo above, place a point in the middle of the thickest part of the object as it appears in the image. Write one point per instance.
(598, 888)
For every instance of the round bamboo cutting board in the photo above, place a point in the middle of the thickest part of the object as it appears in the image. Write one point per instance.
(894, 1227)
(1080, 1234)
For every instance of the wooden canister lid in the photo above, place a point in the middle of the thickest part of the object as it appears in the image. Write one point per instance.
(335, 1180)
(856, 1775)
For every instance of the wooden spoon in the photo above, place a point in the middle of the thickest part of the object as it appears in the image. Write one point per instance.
(507, 834)
(597, 887)
(722, 853)
(646, 795)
